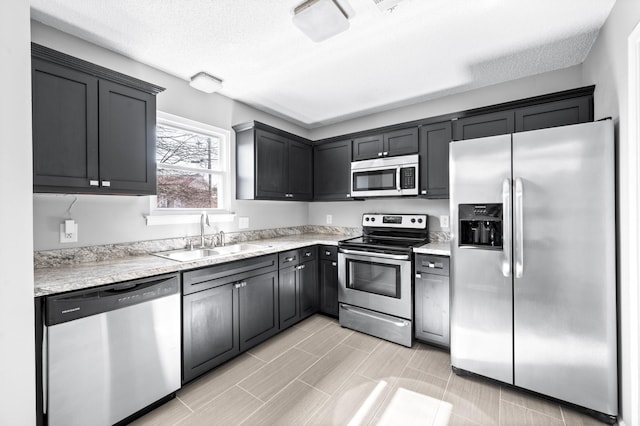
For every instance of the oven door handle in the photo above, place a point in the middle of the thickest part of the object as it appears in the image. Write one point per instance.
(376, 254)
(397, 323)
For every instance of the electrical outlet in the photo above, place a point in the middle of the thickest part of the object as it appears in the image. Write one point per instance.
(329, 219)
(68, 232)
(243, 222)
(444, 222)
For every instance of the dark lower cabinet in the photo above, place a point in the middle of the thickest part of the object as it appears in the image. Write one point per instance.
(210, 329)
(328, 277)
(258, 304)
(298, 285)
(227, 309)
(434, 159)
(332, 171)
(432, 299)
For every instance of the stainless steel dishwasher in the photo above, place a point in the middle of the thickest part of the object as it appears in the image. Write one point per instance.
(111, 351)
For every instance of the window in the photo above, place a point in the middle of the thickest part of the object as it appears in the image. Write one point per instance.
(192, 165)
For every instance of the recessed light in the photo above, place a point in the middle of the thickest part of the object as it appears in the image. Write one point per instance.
(205, 82)
(320, 19)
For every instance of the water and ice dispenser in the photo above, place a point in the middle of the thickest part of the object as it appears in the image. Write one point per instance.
(480, 225)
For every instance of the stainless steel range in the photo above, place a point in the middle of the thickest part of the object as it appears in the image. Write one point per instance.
(375, 276)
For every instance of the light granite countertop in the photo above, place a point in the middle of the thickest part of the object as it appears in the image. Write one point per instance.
(59, 279)
(439, 248)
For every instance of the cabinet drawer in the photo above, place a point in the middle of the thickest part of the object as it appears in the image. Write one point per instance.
(288, 258)
(329, 252)
(213, 276)
(432, 264)
(308, 254)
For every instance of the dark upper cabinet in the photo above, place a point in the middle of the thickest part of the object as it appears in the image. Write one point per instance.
(434, 159)
(127, 139)
(332, 171)
(483, 125)
(93, 128)
(552, 114)
(272, 164)
(397, 142)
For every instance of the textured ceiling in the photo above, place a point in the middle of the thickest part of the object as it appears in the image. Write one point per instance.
(422, 50)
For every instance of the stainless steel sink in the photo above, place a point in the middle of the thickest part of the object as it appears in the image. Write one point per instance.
(186, 255)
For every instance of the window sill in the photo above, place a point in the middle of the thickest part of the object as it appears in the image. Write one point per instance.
(178, 219)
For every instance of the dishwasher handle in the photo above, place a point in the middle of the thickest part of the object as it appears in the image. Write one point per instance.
(83, 303)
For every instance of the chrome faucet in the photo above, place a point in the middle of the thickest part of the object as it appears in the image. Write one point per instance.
(204, 220)
(221, 238)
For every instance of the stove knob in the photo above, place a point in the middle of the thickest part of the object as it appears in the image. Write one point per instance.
(413, 220)
(366, 219)
(419, 220)
(373, 219)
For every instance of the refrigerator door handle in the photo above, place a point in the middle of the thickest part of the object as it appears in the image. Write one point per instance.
(506, 228)
(519, 236)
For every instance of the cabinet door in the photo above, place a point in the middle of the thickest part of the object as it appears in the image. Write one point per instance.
(401, 142)
(553, 114)
(288, 297)
(258, 309)
(329, 287)
(479, 126)
(332, 171)
(127, 140)
(271, 165)
(432, 308)
(309, 293)
(300, 171)
(434, 159)
(65, 127)
(210, 329)
(368, 147)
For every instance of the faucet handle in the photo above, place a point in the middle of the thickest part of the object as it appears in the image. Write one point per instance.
(189, 244)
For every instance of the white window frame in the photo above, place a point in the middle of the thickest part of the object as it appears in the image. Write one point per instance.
(187, 215)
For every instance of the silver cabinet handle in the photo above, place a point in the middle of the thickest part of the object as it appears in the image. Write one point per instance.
(237, 285)
(418, 275)
(334, 264)
(506, 228)
(299, 267)
(379, 154)
(348, 195)
(94, 183)
(307, 253)
(385, 153)
(106, 183)
(289, 259)
(375, 254)
(243, 283)
(518, 239)
(398, 323)
(327, 253)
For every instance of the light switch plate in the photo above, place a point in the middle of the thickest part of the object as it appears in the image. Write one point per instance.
(68, 237)
(444, 221)
(243, 222)
(329, 219)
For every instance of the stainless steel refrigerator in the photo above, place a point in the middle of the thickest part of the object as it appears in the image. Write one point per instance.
(533, 297)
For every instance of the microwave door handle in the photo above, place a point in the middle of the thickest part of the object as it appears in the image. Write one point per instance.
(398, 185)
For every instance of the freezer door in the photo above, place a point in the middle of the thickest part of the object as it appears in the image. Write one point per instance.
(481, 286)
(564, 255)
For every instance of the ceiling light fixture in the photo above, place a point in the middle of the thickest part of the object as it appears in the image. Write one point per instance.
(320, 19)
(205, 82)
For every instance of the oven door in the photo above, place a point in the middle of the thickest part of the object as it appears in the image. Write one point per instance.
(377, 281)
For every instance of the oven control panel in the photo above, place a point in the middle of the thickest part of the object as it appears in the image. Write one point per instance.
(385, 220)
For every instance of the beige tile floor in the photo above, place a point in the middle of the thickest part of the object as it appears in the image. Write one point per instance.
(317, 373)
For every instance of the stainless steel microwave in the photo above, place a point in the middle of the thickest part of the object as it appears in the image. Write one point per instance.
(389, 176)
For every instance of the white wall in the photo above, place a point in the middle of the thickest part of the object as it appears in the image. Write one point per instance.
(115, 219)
(17, 352)
(607, 67)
